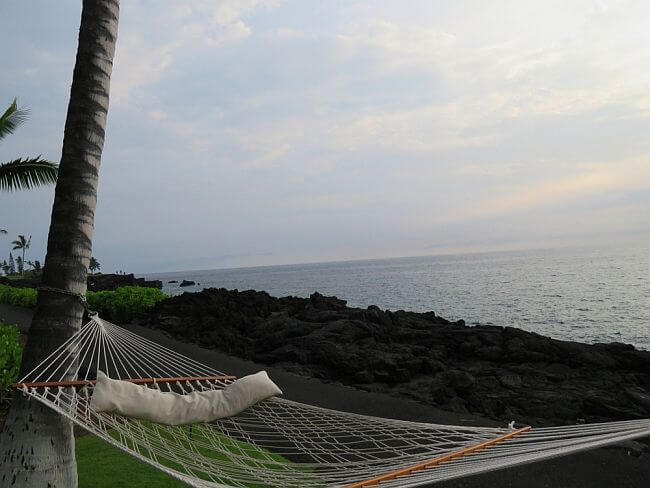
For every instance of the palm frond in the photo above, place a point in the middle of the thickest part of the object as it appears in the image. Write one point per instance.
(11, 119)
(23, 174)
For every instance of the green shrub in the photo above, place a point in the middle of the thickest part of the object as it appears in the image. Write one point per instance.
(125, 303)
(121, 305)
(22, 297)
(11, 353)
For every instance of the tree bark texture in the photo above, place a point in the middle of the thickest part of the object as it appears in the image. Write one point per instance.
(37, 444)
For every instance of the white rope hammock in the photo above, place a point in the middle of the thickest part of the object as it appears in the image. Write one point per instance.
(279, 442)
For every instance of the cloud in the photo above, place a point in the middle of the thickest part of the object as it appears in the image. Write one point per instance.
(582, 57)
(594, 179)
(152, 39)
(286, 33)
(401, 44)
(419, 130)
(351, 119)
(269, 158)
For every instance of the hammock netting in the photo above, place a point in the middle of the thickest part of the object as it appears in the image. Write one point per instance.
(280, 442)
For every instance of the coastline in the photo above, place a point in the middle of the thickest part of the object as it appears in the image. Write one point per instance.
(587, 295)
(593, 468)
(501, 373)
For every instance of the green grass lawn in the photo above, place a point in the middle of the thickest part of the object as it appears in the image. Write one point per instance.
(101, 465)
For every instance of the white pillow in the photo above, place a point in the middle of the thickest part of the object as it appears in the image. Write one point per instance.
(138, 401)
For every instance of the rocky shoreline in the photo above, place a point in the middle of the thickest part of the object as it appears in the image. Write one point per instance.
(499, 372)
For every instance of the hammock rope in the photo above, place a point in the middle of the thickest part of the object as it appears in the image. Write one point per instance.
(279, 442)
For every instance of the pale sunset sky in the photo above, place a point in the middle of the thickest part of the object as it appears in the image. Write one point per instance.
(255, 132)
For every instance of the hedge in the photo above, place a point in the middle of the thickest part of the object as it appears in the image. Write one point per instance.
(121, 305)
(10, 355)
(125, 303)
(22, 297)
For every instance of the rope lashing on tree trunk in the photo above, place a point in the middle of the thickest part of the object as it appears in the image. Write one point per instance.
(80, 296)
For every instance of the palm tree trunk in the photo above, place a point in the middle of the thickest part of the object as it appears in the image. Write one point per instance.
(36, 444)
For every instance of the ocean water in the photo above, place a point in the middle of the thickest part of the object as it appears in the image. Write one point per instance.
(580, 294)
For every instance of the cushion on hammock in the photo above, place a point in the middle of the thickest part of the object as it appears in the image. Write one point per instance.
(138, 401)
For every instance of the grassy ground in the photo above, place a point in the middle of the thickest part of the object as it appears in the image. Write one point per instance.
(101, 465)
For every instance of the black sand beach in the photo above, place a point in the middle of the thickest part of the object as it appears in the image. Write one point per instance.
(601, 468)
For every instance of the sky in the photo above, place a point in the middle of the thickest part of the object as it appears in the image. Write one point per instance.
(261, 132)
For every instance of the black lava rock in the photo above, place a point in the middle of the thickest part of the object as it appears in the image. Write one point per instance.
(499, 372)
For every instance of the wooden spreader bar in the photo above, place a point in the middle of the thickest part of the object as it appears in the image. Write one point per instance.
(137, 381)
(435, 461)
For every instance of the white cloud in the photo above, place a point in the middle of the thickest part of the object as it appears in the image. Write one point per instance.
(403, 118)
(419, 130)
(269, 158)
(557, 60)
(150, 40)
(404, 44)
(600, 178)
(286, 33)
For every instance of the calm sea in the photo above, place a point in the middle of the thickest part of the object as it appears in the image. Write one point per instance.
(582, 294)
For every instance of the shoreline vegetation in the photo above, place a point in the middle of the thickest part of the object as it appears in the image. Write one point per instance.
(123, 304)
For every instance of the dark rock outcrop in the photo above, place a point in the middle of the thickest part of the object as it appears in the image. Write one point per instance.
(500, 372)
(187, 283)
(99, 282)
(113, 281)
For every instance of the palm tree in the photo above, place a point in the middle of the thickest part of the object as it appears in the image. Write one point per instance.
(36, 443)
(22, 244)
(36, 265)
(22, 174)
(94, 265)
